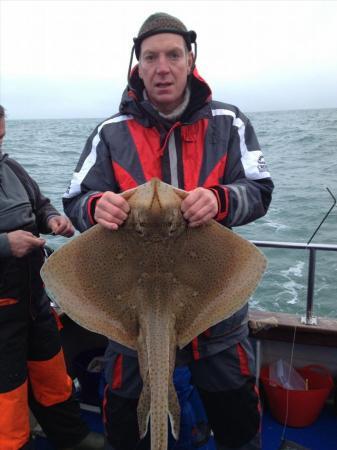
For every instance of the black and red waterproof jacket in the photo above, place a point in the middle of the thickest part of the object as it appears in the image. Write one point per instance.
(213, 145)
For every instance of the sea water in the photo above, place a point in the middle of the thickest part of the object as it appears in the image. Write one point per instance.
(300, 148)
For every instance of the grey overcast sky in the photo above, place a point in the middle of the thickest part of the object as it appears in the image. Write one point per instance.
(69, 58)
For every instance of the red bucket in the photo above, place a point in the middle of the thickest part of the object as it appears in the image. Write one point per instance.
(303, 406)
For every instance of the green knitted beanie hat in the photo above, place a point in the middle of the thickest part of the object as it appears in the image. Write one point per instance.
(163, 23)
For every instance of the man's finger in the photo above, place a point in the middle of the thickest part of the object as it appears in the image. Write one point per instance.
(109, 225)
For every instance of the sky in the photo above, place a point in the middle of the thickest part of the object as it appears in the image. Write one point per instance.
(69, 58)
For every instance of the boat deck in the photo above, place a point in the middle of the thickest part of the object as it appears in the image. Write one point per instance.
(322, 435)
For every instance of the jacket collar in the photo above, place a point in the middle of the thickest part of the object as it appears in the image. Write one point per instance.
(3, 157)
(133, 101)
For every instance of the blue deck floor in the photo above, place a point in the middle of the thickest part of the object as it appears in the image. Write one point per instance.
(322, 435)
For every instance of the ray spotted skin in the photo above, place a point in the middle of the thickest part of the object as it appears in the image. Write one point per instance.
(154, 285)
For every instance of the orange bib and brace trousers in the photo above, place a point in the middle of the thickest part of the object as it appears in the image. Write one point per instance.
(32, 366)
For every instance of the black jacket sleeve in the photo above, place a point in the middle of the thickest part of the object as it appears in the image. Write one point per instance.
(41, 205)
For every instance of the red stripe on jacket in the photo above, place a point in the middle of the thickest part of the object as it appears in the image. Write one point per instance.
(195, 349)
(104, 404)
(243, 360)
(216, 175)
(147, 143)
(90, 208)
(117, 374)
(193, 142)
(124, 179)
(223, 214)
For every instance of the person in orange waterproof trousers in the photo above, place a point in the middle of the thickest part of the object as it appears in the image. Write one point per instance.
(32, 367)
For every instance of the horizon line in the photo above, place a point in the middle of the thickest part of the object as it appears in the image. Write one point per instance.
(8, 119)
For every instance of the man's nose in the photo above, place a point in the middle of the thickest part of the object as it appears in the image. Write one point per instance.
(162, 64)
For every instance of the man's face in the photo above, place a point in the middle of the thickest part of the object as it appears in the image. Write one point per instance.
(164, 65)
(2, 130)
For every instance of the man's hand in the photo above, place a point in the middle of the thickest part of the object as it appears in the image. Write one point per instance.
(111, 210)
(61, 225)
(22, 242)
(199, 207)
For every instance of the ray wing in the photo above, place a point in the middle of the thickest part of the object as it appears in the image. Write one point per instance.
(217, 271)
(92, 279)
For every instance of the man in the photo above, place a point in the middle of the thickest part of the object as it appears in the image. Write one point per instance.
(169, 127)
(32, 367)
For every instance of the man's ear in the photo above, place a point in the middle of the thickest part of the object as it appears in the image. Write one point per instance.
(140, 71)
(190, 62)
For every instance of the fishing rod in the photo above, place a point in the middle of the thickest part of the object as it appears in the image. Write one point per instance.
(326, 215)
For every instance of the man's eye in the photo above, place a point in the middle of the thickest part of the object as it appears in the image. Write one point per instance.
(174, 56)
(149, 58)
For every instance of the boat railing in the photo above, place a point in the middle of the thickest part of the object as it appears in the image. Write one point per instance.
(312, 249)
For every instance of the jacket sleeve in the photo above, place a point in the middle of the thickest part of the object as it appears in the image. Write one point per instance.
(5, 249)
(41, 205)
(247, 187)
(92, 177)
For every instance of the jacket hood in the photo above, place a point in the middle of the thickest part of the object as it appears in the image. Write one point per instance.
(133, 101)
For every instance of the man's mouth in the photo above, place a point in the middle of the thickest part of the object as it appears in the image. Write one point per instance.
(163, 85)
